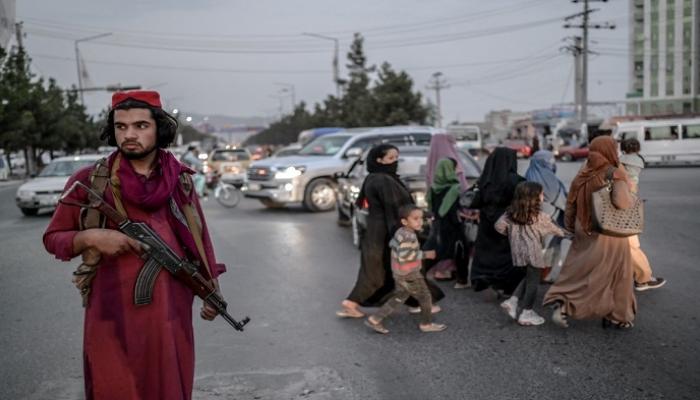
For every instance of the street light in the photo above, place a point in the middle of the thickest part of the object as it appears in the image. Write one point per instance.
(77, 61)
(336, 75)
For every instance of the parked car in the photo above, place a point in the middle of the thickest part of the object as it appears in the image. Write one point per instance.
(573, 153)
(44, 190)
(309, 177)
(412, 170)
(521, 147)
(286, 151)
(230, 164)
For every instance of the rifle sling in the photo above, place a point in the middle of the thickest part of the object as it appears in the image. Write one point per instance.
(91, 218)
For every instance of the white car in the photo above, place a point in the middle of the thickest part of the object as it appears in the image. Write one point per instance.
(44, 190)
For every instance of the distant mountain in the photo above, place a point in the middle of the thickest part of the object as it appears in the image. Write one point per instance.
(227, 123)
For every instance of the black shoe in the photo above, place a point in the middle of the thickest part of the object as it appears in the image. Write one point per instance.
(654, 283)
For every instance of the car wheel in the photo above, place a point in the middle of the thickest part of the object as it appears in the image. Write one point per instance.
(319, 195)
(29, 212)
(567, 157)
(271, 203)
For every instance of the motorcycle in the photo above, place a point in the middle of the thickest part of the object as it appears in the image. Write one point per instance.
(225, 193)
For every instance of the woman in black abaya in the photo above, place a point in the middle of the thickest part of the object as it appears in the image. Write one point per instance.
(492, 265)
(384, 192)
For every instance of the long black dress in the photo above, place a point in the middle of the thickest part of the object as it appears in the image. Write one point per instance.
(375, 282)
(493, 264)
(447, 237)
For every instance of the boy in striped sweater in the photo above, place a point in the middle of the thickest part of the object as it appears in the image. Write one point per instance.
(406, 257)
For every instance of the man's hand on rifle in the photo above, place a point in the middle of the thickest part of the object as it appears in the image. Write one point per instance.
(208, 312)
(108, 242)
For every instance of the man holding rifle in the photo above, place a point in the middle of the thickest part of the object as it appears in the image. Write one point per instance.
(136, 346)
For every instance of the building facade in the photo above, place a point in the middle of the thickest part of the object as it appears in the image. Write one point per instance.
(664, 65)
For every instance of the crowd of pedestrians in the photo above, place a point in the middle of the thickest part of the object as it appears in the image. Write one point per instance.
(522, 224)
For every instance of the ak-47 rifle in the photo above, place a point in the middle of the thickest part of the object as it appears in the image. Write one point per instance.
(157, 254)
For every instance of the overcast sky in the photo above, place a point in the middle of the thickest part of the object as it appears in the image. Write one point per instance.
(225, 56)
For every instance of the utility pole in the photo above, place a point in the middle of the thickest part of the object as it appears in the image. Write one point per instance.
(18, 34)
(438, 84)
(585, 26)
(77, 61)
(336, 72)
(576, 50)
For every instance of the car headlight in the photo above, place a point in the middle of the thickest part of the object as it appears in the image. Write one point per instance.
(25, 194)
(353, 193)
(289, 172)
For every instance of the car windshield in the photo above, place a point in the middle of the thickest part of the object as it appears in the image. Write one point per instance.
(324, 146)
(64, 168)
(230, 155)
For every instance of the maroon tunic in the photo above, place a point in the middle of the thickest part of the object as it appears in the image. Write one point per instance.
(134, 352)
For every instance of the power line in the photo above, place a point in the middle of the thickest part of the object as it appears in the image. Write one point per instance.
(390, 29)
(230, 48)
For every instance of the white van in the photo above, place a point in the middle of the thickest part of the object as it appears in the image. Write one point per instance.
(468, 137)
(664, 141)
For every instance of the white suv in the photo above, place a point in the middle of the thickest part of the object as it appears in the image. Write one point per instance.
(309, 177)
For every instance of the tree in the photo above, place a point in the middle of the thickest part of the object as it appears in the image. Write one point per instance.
(287, 129)
(19, 95)
(393, 102)
(356, 102)
(38, 115)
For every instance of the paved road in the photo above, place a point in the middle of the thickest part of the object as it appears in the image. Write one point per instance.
(289, 270)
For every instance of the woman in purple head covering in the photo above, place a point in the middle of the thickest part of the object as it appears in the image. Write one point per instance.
(444, 145)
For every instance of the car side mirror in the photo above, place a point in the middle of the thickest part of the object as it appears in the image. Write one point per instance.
(353, 152)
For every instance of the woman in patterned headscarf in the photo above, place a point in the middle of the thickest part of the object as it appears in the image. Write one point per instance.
(597, 279)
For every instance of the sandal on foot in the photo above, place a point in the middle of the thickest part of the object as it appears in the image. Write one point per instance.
(349, 313)
(432, 327)
(559, 318)
(608, 323)
(377, 327)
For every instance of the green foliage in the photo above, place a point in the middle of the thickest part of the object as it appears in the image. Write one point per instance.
(390, 101)
(287, 129)
(36, 115)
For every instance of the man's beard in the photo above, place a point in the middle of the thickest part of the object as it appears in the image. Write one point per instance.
(137, 155)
